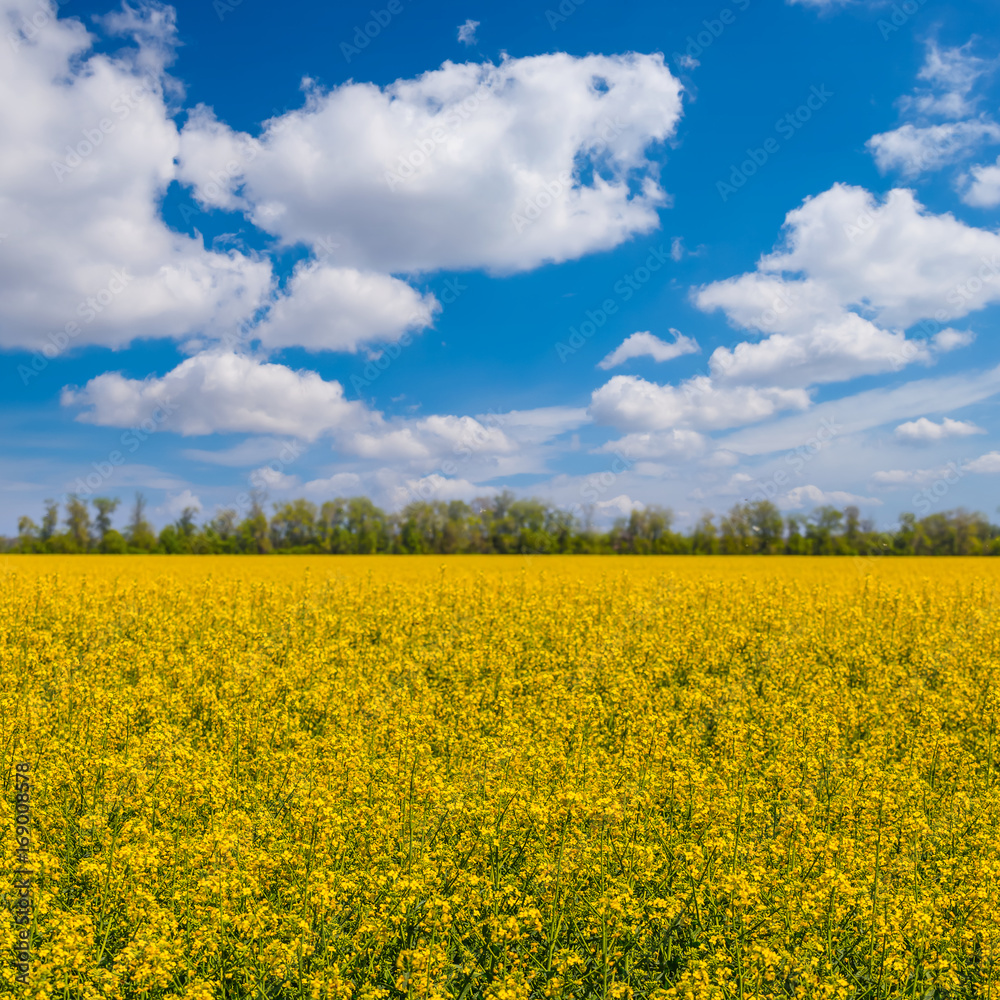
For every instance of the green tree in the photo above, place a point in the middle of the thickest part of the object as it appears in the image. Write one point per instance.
(113, 542)
(705, 536)
(139, 533)
(105, 507)
(367, 526)
(78, 522)
(766, 526)
(823, 529)
(737, 535)
(644, 531)
(293, 526)
(852, 530)
(252, 533)
(796, 544)
(186, 526)
(50, 520)
(27, 535)
(220, 534)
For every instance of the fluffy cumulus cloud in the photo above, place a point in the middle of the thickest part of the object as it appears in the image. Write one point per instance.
(834, 301)
(645, 345)
(338, 484)
(462, 167)
(854, 273)
(423, 174)
(676, 444)
(475, 447)
(988, 463)
(218, 392)
(435, 487)
(619, 506)
(981, 186)
(89, 151)
(629, 403)
(432, 438)
(177, 503)
(950, 339)
(273, 480)
(924, 431)
(326, 308)
(829, 351)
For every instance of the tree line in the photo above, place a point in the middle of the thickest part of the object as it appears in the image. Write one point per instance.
(496, 524)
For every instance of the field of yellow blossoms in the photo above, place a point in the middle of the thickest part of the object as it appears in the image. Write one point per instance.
(496, 777)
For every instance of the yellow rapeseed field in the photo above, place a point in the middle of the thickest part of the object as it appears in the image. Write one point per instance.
(496, 777)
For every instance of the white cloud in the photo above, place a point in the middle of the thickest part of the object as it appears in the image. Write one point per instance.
(432, 438)
(340, 309)
(853, 273)
(988, 463)
(828, 351)
(924, 431)
(951, 73)
(651, 470)
(798, 497)
(981, 187)
(950, 339)
(677, 443)
(893, 258)
(924, 145)
(273, 480)
(89, 149)
(538, 425)
(436, 487)
(720, 459)
(338, 484)
(751, 489)
(619, 506)
(641, 345)
(87, 258)
(216, 392)
(914, 149)
(176, 503)
(429, 173)
(629, 403)
(864, 410)
(898, 478)
(467, 32)
(219, 392)
(678, 251)
(482, 447)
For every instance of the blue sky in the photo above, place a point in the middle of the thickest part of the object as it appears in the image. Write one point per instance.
(686, 255)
